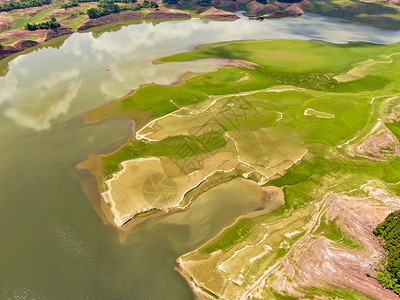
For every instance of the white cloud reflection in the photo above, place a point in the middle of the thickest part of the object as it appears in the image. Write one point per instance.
(8, 87)
(51, 98)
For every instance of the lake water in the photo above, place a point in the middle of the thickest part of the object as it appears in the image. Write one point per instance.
(53, 243)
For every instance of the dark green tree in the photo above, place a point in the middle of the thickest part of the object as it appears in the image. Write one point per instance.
(171, 2)
(389, 233)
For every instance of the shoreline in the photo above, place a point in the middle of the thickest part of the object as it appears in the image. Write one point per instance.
(24, 44)
(25, 39)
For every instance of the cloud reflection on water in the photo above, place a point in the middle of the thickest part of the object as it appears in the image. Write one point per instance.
(50, 98)
(45, 85)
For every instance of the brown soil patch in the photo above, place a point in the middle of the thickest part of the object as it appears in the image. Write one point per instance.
(281, 4)
(214, 13)
(243, 1)
(271, 7)
(24, 44)
(63, 30)
(167, 14)
(256, 8)
(294, 10)
(275, 15)
(291, 11)
(390, 110)
(241, 64)
(16, 47)
(59, 12)
(4, 24)
(27, 39)
(320, 261)
(123, 16)
(22, 34)
(227, 4)
(379, 144)
(252, 270)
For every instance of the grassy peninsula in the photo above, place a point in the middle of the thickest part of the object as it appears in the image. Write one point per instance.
(315, 124)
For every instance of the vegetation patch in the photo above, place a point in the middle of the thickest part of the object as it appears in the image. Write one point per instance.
(169, 147)
(389, 234)
(23, 4)
(43, 25)
(332, 231)
(230, 237)
(107, 7)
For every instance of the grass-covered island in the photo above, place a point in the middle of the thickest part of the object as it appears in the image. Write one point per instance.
(314, 124)
(26, 23)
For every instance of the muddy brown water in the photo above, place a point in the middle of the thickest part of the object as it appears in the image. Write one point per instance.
(53, 245)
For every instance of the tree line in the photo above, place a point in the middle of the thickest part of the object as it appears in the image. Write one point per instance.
(74, 3)
(200, 2)
(43, 25)
(106, 7)
(389, 234)
(23, 4)
(71, 3)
